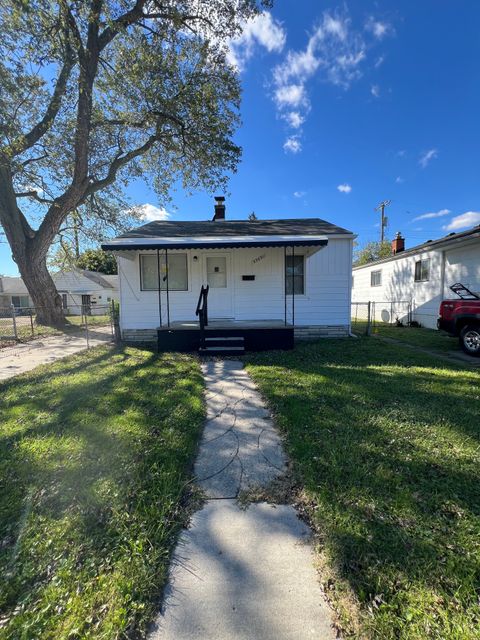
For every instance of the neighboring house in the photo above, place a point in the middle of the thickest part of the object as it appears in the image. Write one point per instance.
(81, 290)
(266, 278)
(13, 292)
(87, 291)
(418, 279)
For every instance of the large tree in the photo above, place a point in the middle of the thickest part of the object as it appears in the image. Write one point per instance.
(94, 93)
(373, 250)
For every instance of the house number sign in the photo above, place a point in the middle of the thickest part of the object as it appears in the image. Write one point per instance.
(258, 258)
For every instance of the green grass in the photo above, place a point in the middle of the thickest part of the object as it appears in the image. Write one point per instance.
(95, 456)
(415, 336)
(385, 443)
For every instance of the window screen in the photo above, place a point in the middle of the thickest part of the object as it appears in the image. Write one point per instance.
(295, 275)
(422, 270)
(177, 272)
(376, 278)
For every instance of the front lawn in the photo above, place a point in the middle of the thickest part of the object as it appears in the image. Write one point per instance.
(385, 445)
(430, 339)
(95, 456)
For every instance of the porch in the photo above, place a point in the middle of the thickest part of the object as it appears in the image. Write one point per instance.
(225, 336)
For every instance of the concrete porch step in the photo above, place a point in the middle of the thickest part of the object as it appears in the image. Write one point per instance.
(225, 341)
(217, 350)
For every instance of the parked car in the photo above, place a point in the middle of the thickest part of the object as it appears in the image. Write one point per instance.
(461, 318)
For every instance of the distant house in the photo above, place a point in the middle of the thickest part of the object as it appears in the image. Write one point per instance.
(414, 281)
(267, 280)
(87, 291)
(13, 292)
(81, 291)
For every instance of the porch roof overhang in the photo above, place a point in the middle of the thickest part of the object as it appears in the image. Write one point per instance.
(211, 242)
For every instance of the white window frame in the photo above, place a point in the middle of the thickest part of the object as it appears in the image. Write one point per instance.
(163, 286)
(421, 263)
(376, 272)
(296, 255)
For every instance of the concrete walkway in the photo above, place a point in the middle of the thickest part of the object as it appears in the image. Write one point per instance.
(236, 573)
(26, 356)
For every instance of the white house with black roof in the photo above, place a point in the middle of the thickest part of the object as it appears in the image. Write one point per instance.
(237, 283)
(413, 282)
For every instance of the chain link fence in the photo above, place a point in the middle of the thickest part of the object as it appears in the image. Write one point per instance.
(368, 315)
(19, 324)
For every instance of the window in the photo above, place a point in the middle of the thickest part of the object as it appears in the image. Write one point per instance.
(295, 275)
(19, 302)
(177, 272)
(422, 270)
(376, 279)
(64, 301)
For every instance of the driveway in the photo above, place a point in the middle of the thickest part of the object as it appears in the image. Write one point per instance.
(26, 356)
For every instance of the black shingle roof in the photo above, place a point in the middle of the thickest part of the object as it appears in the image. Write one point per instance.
(225, 228)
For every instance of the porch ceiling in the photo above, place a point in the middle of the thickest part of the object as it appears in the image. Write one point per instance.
(210, 242)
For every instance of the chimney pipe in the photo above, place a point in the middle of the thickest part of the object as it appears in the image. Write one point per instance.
(219, 208)
(398, 244)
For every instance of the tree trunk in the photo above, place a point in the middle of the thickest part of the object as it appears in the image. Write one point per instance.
(46, 300)
(29, 251)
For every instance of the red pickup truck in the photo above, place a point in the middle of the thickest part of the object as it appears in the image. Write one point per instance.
(462, 318)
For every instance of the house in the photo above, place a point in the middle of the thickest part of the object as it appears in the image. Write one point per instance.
(13, 292)
(81, 291)
(262, 281)
(85, 291)
(410, 284)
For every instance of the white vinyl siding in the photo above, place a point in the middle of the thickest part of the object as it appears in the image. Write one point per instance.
(326, 298)
(445, 267)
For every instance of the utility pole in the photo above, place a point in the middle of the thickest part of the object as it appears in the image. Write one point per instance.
(383, 224)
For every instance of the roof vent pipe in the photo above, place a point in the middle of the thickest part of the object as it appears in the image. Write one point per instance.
(219, 208)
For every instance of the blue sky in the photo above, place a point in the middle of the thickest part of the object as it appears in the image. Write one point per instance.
(345, 105)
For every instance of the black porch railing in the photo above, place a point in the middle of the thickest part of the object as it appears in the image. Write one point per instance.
(202, 312)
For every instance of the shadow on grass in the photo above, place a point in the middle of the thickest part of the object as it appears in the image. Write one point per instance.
(94, 458)
(385, 442)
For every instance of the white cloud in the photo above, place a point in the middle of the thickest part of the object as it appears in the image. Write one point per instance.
(344, 188)
(299, 194)
(399, 180)
(435, 214)
(292, 95)
(292, 144)
(149, 212)
(264, 31)
(379, 61)
(401, 153)
(294, 119)
(375, 90)
(378, 28)
(463, 221)
(427, 156)
(334, 52)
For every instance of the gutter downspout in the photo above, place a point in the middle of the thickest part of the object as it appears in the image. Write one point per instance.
(442, 275)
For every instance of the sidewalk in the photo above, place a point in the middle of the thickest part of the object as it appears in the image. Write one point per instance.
(243, 574)
(23, 357)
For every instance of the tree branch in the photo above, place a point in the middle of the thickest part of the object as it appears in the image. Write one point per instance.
(33, 194)
(117, 164)
(33, 136)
